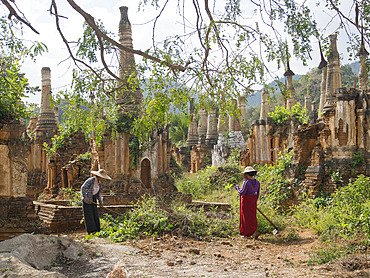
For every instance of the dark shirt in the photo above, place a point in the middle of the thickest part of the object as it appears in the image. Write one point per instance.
(249, 187)
(87, 190)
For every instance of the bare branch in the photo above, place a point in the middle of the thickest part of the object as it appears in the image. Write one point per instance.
(91, 21)
(12, 12)
(54, 11)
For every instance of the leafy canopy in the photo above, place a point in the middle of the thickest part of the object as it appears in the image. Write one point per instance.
(13, 84)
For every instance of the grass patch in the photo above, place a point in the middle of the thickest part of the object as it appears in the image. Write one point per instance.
(323, 255)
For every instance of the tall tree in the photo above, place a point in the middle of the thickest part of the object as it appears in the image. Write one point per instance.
(224, 48)
(13, 83)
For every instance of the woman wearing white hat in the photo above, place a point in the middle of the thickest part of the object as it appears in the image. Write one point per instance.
(249, 193)
(91, 193)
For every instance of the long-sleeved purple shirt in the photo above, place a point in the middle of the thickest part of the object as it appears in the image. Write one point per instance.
(249, 187)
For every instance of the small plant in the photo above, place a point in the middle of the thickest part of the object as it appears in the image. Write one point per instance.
(277, 190)
(73, 197)
(234, 156)
(85, 157)
(292, 235)
(336, 177)
(357, 159)
(324, 255)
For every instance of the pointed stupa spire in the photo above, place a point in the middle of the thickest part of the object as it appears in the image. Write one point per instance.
(131, 96)
(288, 72)
(362, 51)
(291, 91)
(265, 106)
(323, 65)
(46, 123)
(334, 80)
(362, 75)
(323, 62)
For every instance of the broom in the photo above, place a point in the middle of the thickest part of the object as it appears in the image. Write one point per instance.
(274, 232)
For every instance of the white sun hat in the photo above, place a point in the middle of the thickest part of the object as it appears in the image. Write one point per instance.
(248, 169)
(101, 173)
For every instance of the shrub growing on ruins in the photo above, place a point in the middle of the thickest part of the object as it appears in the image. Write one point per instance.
(282, 114)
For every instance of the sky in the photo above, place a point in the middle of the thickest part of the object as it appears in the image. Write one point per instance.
(108, 11)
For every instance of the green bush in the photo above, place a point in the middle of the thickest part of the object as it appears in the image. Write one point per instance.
(73, 197)
(152, 218)
(351, 207)
(275, 188)
(209, 180)
(282, 114)
(324, 255)
(311, 214)
(345, 214)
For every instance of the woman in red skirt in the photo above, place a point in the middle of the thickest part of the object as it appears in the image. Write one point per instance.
(249, 193)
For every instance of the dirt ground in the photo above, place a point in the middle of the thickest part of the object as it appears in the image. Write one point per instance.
(169, 256)
(269, 256)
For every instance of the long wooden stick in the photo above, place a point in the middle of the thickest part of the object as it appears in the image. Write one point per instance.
(267, 219)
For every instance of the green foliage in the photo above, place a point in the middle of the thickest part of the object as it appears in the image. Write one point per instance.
(311, 214)
(277, 190)
(179, 129)
(210, 179)
(146, 218)
(84, 157)
(300, 113)
(336, 176)
(152, 218)
(13, 84)
(357, 160)
(13, 87)
(234, 156)
(345, 214)
(351, 206)
(197, 185)
(324, 255)
(88, 45)
(281, 114)
(57, 143)
(73, 197)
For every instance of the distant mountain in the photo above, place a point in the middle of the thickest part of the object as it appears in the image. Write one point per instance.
(255, 98)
